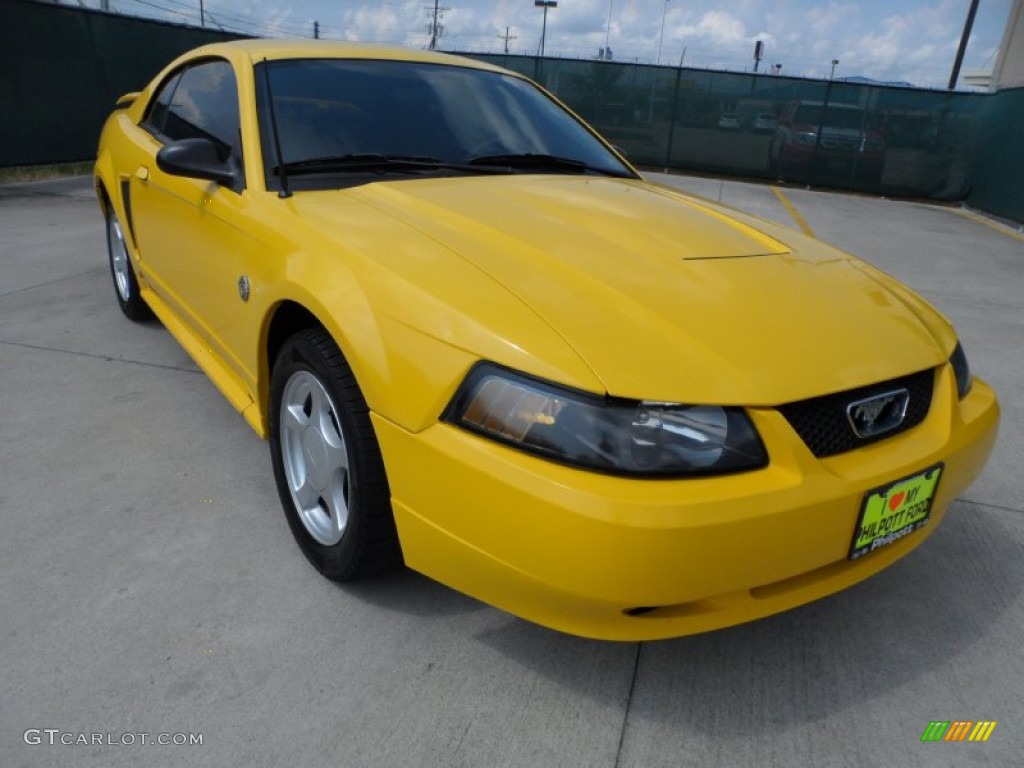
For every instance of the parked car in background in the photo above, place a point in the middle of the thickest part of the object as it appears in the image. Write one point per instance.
(481, 344)
(765, 122)
(836, 141)
(729, 121)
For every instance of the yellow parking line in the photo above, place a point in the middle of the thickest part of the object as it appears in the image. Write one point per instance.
(800, 220)
(990, 224)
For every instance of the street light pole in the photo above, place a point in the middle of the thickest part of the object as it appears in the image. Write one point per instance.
(963, 44)
(661, 38)
(608, 29)
(545, 4)
(832, 74)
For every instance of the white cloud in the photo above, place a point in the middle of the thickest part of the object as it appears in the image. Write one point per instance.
(908, 40)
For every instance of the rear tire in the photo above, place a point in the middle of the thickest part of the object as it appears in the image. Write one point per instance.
(126, 287)
(327, 463)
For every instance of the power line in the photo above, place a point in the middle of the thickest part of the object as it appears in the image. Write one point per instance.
(227, 21)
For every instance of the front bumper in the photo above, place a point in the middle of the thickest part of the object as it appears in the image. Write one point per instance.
(579, 551)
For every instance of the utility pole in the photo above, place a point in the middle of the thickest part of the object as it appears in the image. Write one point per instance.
(202, 14)
(316, 30)
(435, 29)
(545, 4)
(968, 25)
(832, 74)
(506, 37)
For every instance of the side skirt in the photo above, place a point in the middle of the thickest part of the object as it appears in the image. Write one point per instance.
(219, 373)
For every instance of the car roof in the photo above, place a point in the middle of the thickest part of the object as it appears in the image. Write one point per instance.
(299, 48)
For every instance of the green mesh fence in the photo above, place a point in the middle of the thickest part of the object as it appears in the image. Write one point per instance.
(878, 139)
(61, 69)
(998, 179)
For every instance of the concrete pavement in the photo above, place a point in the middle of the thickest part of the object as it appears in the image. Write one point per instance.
(150, 584)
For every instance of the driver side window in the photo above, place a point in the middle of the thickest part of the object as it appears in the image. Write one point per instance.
(200, 101)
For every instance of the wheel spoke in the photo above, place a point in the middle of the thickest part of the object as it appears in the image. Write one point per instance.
(306, 495)
(321, 414)
(336, 454)
(336, 496)
(293, 419)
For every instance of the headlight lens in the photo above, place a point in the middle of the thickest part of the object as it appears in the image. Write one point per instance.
(961, 370)
(806, 137)
(607, 434)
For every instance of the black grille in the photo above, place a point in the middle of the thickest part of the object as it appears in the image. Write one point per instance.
(823, 425)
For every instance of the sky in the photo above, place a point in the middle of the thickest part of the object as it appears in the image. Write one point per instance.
(888, 40)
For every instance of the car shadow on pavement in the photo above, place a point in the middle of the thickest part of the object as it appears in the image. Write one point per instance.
(815, 661)
(409, 592)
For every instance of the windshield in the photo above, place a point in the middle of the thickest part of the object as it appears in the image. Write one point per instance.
(332, 110)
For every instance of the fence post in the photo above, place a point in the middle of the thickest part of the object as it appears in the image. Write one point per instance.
(812, 172)
(672, 119)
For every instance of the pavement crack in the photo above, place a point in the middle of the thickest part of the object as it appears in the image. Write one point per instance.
(970, 299)
(94, 356)
(990, 506)
(629, 705)
(50, 282)
(20, 193)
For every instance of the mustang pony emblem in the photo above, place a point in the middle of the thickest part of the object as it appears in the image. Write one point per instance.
(878, 414)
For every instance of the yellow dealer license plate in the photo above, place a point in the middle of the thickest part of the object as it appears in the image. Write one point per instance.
(895, 511)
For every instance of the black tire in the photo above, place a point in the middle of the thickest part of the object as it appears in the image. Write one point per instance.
(365, 543)
(126, 287)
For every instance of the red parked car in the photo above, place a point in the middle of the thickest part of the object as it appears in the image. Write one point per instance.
(847, 148)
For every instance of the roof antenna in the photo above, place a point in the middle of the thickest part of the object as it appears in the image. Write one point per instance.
(282, 174)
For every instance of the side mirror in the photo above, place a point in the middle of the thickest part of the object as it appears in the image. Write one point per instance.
(198, 159)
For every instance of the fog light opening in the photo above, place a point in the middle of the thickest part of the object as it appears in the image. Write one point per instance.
(640, 610)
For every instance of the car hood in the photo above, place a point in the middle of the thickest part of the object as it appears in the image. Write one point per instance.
(667, 297)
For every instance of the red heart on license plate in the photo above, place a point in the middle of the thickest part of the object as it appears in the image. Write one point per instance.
(895, 500)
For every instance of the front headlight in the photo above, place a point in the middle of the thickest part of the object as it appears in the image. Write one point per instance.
(961, 370)
(603, 433)
(806, 137)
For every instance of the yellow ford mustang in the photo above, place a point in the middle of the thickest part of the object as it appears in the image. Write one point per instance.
(479, 342)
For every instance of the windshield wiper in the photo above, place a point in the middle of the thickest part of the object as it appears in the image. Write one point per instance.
(358, 162)
(369, 162)
(543, 163)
